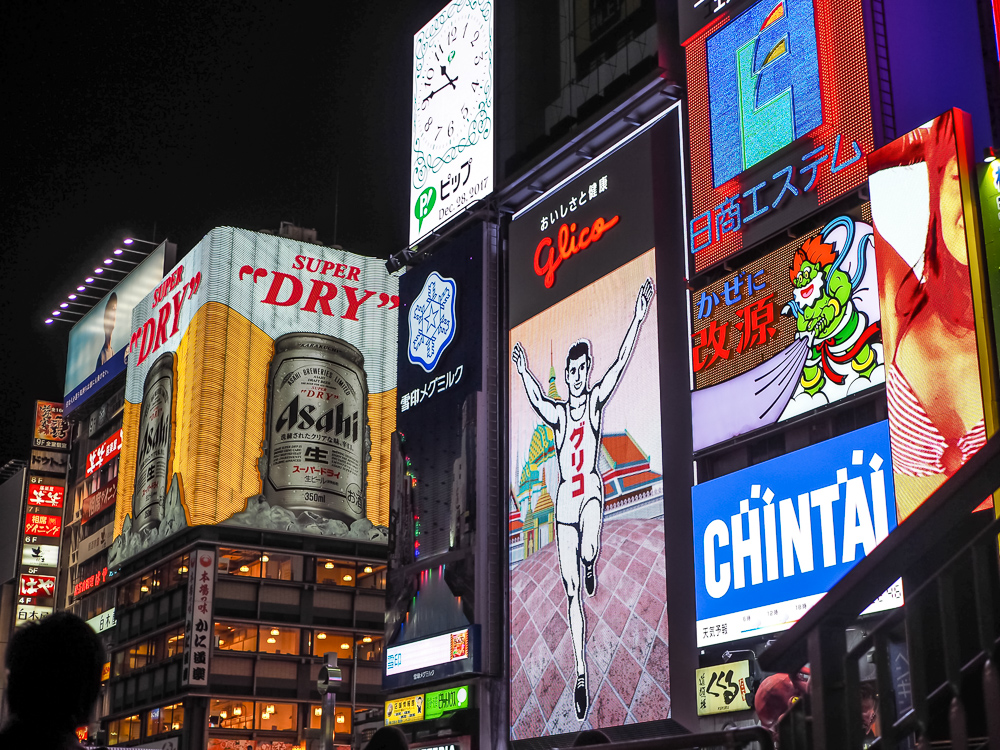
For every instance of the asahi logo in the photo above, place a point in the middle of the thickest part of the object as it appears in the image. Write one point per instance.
(309, 417)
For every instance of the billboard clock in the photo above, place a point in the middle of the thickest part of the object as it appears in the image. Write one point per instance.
(452, 115)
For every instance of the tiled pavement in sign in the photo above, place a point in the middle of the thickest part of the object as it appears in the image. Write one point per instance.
(626, 636)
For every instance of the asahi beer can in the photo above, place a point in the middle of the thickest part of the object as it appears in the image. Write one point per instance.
(315, 449)
(152, 459)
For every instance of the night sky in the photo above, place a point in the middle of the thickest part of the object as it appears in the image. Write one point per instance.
(124, 116)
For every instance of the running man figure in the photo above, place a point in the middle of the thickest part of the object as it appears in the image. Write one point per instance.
(580, 498)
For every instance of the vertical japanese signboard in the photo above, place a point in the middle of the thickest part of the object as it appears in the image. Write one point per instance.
(198, 621)
(41, 523)
(587, 576)
(780, 118)
(789, 332)
(444, 391)
(932, 287)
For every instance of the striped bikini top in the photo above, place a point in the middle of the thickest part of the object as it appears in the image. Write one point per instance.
(918, 448)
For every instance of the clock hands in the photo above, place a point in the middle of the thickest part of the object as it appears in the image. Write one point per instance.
(451, 82)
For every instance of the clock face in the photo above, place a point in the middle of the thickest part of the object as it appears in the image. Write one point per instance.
(453, 82)
(451, 157)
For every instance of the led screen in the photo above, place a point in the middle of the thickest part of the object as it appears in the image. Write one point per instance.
(440, 486)
(780, 119)
(772, 539)
(587, 580)
(451, 144)
(99, 341)
(788, 333)
(260, 392)
(920, 187)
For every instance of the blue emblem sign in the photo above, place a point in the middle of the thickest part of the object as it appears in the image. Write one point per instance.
(432, 321)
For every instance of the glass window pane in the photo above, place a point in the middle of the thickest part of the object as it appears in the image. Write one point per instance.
(315, 717)
(277, 639)
(173, 717)
(276, 716)
(336, 572)
(343, 720)
(369, 647)
(239, 562)
(325, 641)
(282, 567)
(371, 576)
(231, 714)
(175, 642)
(235, 636)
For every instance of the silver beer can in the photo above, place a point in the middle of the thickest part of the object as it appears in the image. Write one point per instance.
(153, 452)
(316, 448)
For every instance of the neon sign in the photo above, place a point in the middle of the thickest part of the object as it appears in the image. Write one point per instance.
(569, 243)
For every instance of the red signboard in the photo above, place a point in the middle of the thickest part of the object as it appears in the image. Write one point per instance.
(33, 585)
(49, 495)
(101, 500)
(104, 453)
(91, 582)
(37, 524)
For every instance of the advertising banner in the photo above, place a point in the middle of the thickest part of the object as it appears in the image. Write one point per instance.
(587, 577)
(40, 555)
(772, 539)
(780, 119)
(99, 540)
(37, 585)
(45, 495)
(198, 622)
(724, 688)
(101, 500)
(50, 428)
(443, 702)
(31, 613)
(93, 581)
(103, 453)
(934, 318)
(104, 621)
(451, 152)
(48, 462)
(98, 343)
(260, 392)
(787, 333)
(404, 710)
(40, 524)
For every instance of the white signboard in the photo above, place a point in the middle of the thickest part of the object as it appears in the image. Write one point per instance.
(198, 623)
(451, 148)
(100, 539)
(45, 555)
(104, 621)
(429, 652)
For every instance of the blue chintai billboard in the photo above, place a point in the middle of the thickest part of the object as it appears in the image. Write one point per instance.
(772, 539)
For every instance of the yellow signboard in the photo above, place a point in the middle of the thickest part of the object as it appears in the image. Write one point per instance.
(404, 710)
(723, 688)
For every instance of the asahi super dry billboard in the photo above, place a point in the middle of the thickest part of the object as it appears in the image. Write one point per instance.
(261, 392)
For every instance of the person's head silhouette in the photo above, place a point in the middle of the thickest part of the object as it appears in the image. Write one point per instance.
(53, 679)
(387, 738)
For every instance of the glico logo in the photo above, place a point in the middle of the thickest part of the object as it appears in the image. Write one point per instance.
(568, 243)
(764, 67)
